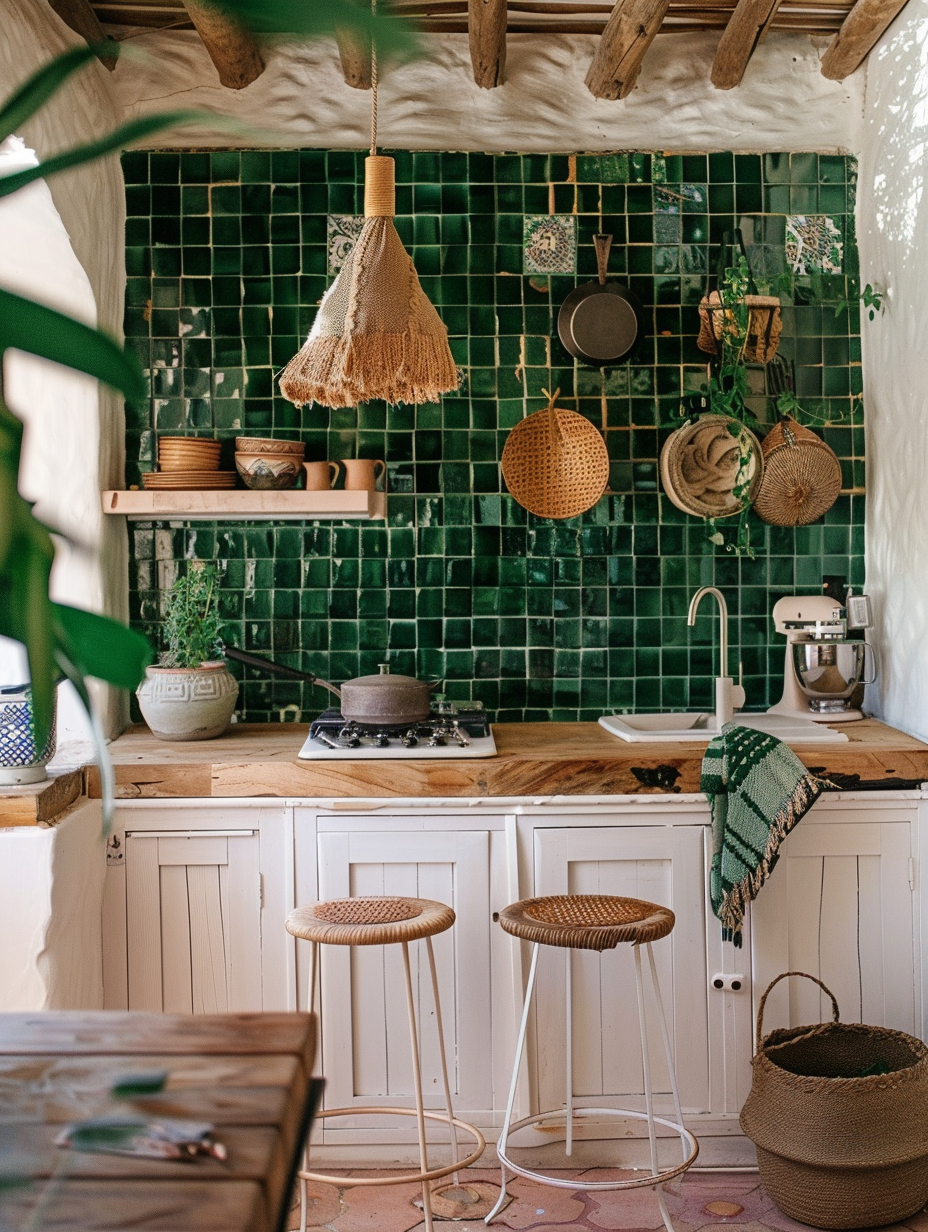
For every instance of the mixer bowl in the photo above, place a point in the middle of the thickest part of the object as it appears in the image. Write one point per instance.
(829, 671)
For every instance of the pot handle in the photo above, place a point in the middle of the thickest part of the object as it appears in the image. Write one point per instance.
(835, 1016)
(278, 669)
(432, 685)
(602, 243)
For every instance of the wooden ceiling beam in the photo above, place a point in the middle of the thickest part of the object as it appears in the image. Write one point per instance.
(486, 29)
(233, 49)
(80, 17)
(863, 27)
(746, 27)
(629, 33)
(356, 60)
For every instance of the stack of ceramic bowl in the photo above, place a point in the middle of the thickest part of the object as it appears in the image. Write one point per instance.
(189, 462)
(265, 464)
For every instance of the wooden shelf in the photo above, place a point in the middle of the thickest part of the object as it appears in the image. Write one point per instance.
(290, 505)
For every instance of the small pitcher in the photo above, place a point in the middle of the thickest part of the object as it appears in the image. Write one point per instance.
(361, 474)
(320, 476)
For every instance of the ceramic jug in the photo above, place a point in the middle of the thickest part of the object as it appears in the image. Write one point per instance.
(320, 476)
(361, 474)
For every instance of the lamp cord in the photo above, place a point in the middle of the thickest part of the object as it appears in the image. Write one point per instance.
(373, 85)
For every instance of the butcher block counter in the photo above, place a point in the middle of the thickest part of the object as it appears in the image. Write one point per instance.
(534, 759)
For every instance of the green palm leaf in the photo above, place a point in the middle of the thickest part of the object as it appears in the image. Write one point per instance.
(43, 331)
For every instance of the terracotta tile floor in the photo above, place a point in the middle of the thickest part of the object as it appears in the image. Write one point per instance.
(735, 1200)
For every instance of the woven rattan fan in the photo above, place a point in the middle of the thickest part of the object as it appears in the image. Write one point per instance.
(555, 462)
(376, 335)
(802, 476)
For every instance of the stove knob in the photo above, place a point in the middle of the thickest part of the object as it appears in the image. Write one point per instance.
(436, 741)
(410, 740)
(381, 740)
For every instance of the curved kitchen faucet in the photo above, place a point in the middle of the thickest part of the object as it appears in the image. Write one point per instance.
(728, 695)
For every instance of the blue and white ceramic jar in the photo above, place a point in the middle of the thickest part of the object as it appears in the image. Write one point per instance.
(21, 761)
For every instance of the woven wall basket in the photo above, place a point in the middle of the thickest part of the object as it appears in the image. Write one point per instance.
(835, 1150)
(702, 463)
(802, 476)
(555, 462)
(765, 325)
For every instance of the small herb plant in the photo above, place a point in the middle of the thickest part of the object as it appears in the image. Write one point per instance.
(192, 628)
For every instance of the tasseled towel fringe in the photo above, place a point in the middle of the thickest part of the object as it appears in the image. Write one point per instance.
(341, 372)
(737, 897)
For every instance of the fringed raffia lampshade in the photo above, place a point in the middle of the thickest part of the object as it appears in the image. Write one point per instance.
(376, 335)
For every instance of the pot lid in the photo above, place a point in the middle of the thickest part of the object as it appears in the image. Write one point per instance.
(388, 681)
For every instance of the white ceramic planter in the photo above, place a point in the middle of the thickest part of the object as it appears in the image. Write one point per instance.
(188, 703)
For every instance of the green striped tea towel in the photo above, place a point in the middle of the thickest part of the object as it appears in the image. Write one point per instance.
(758, 790)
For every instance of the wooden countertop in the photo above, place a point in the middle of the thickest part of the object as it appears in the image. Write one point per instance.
(535, 759)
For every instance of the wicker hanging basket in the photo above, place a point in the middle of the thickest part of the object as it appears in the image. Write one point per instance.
(802, 476)
(839, 1115)
(555, 462)
(764, 327)
(703, 463)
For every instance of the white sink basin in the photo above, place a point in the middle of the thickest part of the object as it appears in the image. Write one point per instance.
(700, 725)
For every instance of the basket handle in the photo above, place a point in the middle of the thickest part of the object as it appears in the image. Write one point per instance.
(836, 1013)
(554, 427)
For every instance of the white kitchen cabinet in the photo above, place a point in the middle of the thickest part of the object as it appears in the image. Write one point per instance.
(193, 909)
(662, 864)
(365, 1053)
(841, 906)
(197, 893)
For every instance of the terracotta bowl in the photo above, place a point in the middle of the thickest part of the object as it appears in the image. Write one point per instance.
(268, 472)
(188, 453)
(265, 445)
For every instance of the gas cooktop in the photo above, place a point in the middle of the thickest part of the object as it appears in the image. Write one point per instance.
(453, 730)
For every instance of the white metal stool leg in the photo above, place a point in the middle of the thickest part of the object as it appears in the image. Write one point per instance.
(648, 1091)
(417, 1083)
(657, 1177)
(569, 1051)
(313, 974)
(441, 1051)
(516, 1065)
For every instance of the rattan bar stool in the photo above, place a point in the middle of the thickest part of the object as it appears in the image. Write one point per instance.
(594, 922)
(388, 921)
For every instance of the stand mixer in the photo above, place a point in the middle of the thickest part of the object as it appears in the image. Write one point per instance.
(823, 665)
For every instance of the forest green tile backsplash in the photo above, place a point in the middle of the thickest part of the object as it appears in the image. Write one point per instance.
(227, 259)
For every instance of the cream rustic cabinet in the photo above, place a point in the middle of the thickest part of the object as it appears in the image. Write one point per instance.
(197, 892)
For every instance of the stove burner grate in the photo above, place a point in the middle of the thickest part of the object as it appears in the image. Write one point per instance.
(450, 724)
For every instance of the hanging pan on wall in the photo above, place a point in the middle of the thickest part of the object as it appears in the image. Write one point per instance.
(601, 321)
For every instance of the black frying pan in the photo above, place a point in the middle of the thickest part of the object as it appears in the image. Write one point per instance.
(601, 321)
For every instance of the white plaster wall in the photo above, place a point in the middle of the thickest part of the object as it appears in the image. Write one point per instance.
(76, 263)
(301, 100)
(893, 237)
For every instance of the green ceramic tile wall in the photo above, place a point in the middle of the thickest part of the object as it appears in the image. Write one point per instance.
(226, 255)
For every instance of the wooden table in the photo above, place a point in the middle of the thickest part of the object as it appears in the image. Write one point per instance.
(249, 1074)
(535, 759)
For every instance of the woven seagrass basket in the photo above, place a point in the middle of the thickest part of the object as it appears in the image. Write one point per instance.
(555, 462)
(840, 1143)
(802, 476)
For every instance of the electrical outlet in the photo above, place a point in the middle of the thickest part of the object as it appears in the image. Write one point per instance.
(115, 852)
(723, 982)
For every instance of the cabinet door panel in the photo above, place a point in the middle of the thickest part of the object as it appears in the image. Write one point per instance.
(193, 918)
(365, 1033)
(843, 890)
(663, 865)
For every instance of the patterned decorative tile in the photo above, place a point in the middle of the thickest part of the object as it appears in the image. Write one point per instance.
(814, 244)
(549, 243)
(342, 231)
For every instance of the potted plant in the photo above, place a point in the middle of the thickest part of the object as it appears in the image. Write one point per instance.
(191, 694)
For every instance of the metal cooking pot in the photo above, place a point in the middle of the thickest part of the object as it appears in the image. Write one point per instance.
(384, 700)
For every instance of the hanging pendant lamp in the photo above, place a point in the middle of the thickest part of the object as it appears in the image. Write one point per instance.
(376, 335)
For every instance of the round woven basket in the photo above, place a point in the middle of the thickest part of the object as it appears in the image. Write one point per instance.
(839, 1115)
(703, 462)
(802, 476)
(555, 462)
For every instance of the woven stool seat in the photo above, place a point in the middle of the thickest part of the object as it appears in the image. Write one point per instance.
(586, 921)
(369, 921)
